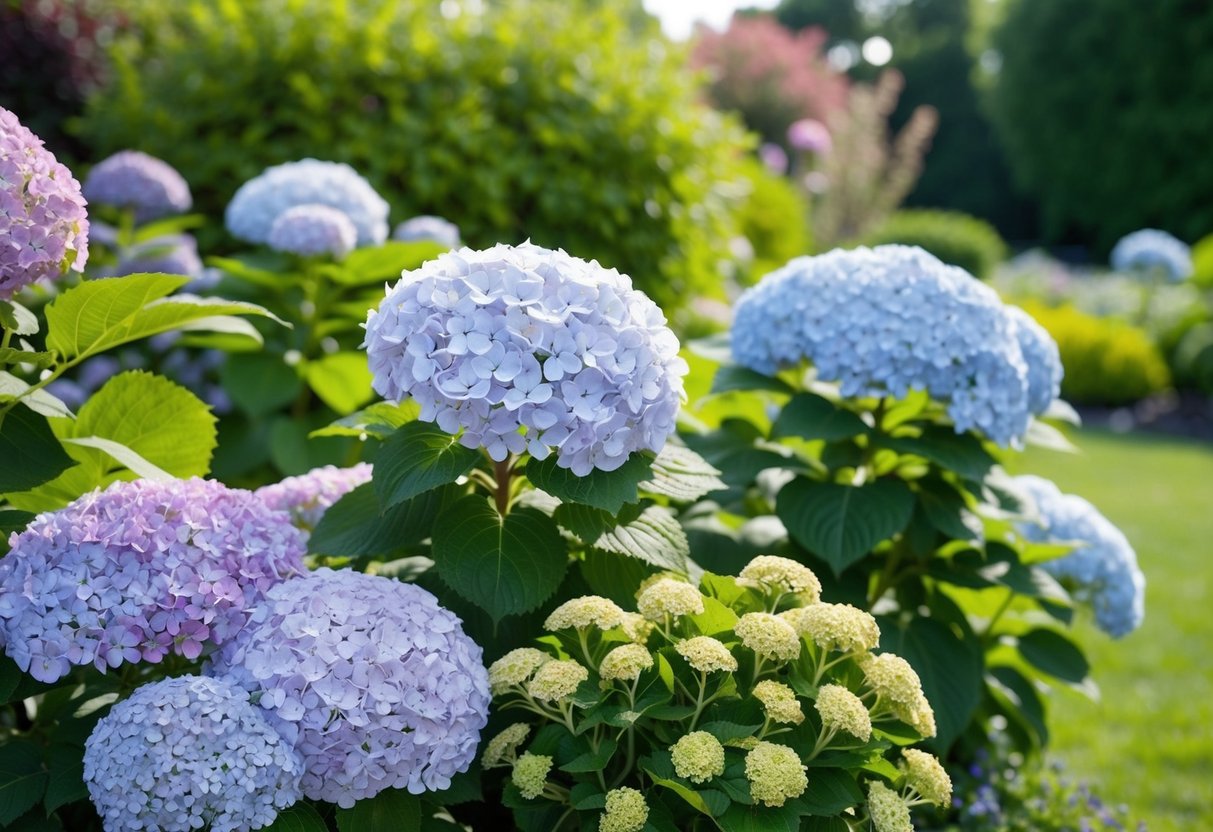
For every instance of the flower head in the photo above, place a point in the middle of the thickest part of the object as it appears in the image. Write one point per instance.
(583, 612)
(429, 229)
(842, 710)
(810, 135)
(900, 690)
(138, 571)
(774, 158)
(636, 627)
(180, 754)
(626, 811)
(556, 680)
(43, 225)
(261, 200)
(888, 320)
(706, 654)
(525, 349)
(779, 701)
(307, 497)
(501, 748)
(925, 775)
(530, 774)
(769, 636)
(1102, 569)
(312, 229)
(839, 627)
(625, 663)
(515, 668)
(775, 773)
(668, 596)
(889, 812)
(1149, 249)
(171, 254)
(779, 575)
(698, 757)
(372, 680)
(131, 179)
(1042, 358)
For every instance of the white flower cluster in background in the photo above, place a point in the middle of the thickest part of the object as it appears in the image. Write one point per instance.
(1149, 249)
(428, 228)
(313, 229)
(527, 349)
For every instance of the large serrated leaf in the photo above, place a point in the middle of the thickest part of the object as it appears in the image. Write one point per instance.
(376, 264)
(651, 534)
(417, 457)
(392, 810)
(31, 453)
(357, 526)
(298, 818)
(504, 565)
(341, 380)
(39, 360)
(66, 782)
(607, 490)
(962, 453)
(809, 416)
(1055, 654)
(841, 523)
(682, 475)
(379, 420)
(22, 779)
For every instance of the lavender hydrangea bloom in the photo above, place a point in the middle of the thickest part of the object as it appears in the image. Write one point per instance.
(1102, 569)
(1149, 249)
(887, 320)
(171, 254)
(43, 224)
(371, 680)
(313, 229)
(1042, 358)
(527, 349)
(308, 496)
(428, 228)
(138, 571)
(260, 201)
(810, 135)
(131, 179)
(189, 753)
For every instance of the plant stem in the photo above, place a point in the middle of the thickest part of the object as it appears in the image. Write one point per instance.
(503, 470)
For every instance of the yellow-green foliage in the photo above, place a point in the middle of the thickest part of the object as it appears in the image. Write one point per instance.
(1202, 262)
(775, 219)
(952, 236)
(1107, 361)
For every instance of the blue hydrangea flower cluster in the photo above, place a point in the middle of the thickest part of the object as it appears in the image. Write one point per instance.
(308, 496)
(311, 229)
(152, 188)
(1042, 358)
(887, 320)
(261, 200)
(189, 753)
(1148, 249)
(140, 570)
(527, 349)
(171, 254)
(1102, 570)
(371, 680)
(430, 229)
(43, 224)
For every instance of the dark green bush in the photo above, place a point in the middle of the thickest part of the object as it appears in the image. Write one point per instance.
(951, 236)
(1104, 108)
(594, 141)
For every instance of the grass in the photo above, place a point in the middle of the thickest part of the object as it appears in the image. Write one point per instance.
(1149, 741)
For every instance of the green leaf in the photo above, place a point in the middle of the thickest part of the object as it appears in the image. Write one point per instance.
(123, 455)
(17, 319)
(417, 457)
(503, 565)
(375, 264)
(651, 534)
(1020, 699)
(10, 678)
(733, 377)
(841, 523)
(31, 453)
(831, 791)
(298, 818)
(40, 360)
(809, 416)
(22, 779)
(607, 490)
(341, 380)
(293, 452)
(1052, 652)
(962, 453)
(741, 818)
(66, 781)
(682, 475)
(379, 421)
(356, 526)
(37, 400)
(260, 384)
(1043, 435)
(947, 511)
(592, 760)
(392, 810)
(612, 576)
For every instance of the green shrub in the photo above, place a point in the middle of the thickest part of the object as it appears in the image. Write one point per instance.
(1106, 361)
(1202, 262)
(775, 219)
(1104, 109)
(594, 141)
(1193, 359)
(953, 237)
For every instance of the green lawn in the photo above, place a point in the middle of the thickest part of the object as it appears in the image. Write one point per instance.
(1149, 742)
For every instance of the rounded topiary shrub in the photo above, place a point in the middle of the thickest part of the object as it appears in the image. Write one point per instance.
(594, 141)
(954, 237)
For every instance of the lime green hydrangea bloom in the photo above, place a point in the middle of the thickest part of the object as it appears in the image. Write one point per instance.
(889, 812)
(899, 688)
(625, 663)
(625, 811)
(587, 611)
(926, 775)
(782, 575)
(706, 654)
(669, 597)
(775, 773)
(698, 757)
(557, 679)
(842, 710)
(531, 773)
(779, 701)
(839, 627)
(769, 636)
(515, 667)
(501, 748)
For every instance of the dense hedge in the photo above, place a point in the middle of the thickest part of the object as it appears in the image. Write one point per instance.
(594, 141)
(1104, 107)
(953, 237)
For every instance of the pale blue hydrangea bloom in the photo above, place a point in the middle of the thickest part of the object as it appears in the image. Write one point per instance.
(1042, 358)
(189, 753)
(311, 229)
(1148, 249)
(371, 680)
(43, 224)
(428, 228)
(1102, 570)
(887, 320)
(252, 211)
(171, 254)
(526, 349)
(308, 496)
(140, 570)
(130, 179)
